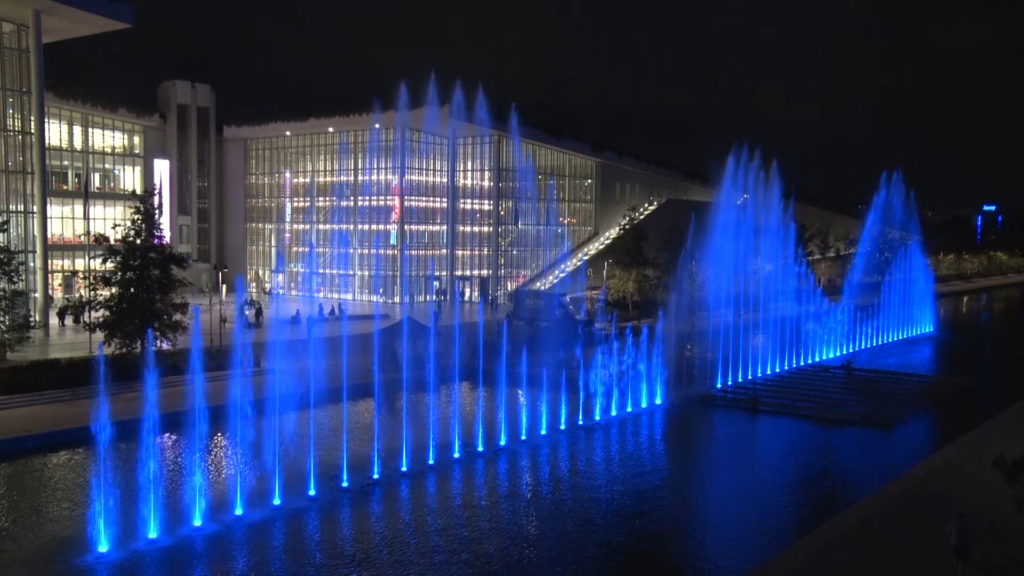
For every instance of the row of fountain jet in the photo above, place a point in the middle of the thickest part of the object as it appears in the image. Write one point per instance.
(763, 311)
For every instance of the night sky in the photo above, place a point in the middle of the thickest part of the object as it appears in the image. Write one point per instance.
(835, 94)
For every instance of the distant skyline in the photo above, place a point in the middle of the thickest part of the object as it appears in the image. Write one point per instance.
(835, 94)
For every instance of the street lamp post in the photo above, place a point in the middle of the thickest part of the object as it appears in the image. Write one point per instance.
(220, 291)
(606, 262)
(211, 315)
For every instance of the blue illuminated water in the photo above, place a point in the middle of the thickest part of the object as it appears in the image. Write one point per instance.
(544, 402)
(480, 378)
(104, 501)
(523, 387)
(767, 310)
(644, 364)
(683, 465)
(767, 314)
(503, 386)
(457, 383)
(344, 399)
(402, 124)
(196, 485)
(581, 377)
(241, 409)
(276, 408)
(312, 384)
(613, 378)
(150, 473)
(563, 403)
(432, 390)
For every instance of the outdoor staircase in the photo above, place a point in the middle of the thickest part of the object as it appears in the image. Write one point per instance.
(565, 265)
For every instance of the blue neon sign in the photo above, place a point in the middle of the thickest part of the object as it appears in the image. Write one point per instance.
(988, 208)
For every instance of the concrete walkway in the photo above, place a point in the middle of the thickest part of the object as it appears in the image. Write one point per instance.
(901, 529)
(971, 285)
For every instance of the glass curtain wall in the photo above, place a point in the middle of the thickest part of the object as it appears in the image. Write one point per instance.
(374, 204)
(425, 213)
(475, 192)
(546, 208)
(94, 154)
(17, 204)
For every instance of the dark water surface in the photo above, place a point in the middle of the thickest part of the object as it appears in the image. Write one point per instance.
(685, 488)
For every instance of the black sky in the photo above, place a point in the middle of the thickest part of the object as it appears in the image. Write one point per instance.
(837, 92)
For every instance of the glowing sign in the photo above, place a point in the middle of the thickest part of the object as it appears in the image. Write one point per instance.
(988, 208)
(162, 177)
(979, 229)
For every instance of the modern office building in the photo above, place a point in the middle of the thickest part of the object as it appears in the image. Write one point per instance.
(25, 25)
(400, 206)
(97, 160)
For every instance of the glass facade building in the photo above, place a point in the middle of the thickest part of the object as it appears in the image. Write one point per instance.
(17, 202)
(93, 165)
(398, 213)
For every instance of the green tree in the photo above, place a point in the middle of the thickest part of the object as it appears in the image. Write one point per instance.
(139, 288)
(14, 317)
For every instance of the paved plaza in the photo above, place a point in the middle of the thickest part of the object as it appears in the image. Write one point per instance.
(73, 340)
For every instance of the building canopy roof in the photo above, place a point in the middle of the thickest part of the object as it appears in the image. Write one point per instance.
(68, 19)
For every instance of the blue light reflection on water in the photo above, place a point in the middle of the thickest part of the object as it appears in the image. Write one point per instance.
(518, 503)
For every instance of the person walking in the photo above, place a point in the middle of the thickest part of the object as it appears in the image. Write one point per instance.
(259, 314)
(62, 314)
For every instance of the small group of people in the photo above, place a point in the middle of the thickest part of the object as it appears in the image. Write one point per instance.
(73, 306)
(254, 308)
(320, 315)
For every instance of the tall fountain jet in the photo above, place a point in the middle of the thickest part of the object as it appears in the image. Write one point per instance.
(403, 152)
(314, 360)
(563, 404)
(198, 429)
(480, 377)
(273, 421)
(240, 407)
(544, 402)
(432, 382)
(890, 251)
(523, 406)
(456, 382)
(767, 312)
(150, 474)
(103, 502)
(457, 115)
(345, 243)
(503, 386)
(376, 173)
(581, 377)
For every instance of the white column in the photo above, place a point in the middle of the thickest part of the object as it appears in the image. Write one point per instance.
(39, 170)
